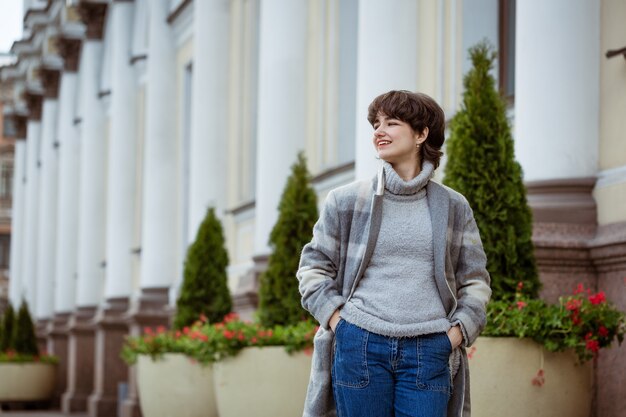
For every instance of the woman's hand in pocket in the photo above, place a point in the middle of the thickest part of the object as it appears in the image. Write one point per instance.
(456, 336)
(334, 320)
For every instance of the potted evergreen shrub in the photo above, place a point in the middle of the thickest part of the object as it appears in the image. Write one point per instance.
(174, 375)
(528, 347)
(265, 378)
(25, 373)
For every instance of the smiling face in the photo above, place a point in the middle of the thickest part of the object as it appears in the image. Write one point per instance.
(395, 141)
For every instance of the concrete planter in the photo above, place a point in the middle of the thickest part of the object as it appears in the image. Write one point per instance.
(175, 386)
(32, 381)
(501, 374)
(262, 382)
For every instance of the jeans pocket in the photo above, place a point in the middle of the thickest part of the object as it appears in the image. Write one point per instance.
(350, 361)
(433, 368)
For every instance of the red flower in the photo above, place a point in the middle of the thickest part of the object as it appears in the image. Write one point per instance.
(228, 334)
(603, 331)
(521, 305)
(573, 304)
(203, 337)
(588, 336)
(203, 318)
(579, 289)
(254, 340)
(599, 298)
(161, 329)
(241, 337)
(177, 334)
(520, 285)
(148, 331)
(186, 330)
(593, 346)
(231, 317)
(576, 319)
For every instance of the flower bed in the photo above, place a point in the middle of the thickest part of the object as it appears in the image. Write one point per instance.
(584, 322)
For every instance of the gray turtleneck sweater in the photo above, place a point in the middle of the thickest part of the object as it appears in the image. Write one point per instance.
(397, 295)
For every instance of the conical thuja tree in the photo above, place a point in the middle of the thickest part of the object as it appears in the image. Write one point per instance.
(8, 323)
(24, 339)
(481, 165)
(279, 298)
(205, 283)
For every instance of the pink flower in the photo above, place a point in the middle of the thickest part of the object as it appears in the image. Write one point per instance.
(161, 329)
(148, 331)
(186, 330)
(521, 305)
(228, 334)
(520, 286)
(539, 379)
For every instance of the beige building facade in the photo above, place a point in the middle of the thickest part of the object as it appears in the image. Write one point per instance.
(132, 118)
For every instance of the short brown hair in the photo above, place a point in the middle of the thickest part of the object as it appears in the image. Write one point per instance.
(419, 111)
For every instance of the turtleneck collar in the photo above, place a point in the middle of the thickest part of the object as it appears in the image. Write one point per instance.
(396, 185)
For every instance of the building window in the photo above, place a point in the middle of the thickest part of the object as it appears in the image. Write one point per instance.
(9, 128)
(506, 49)
(6, 181)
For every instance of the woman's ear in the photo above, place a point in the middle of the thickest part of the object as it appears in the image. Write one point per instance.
(421, 137)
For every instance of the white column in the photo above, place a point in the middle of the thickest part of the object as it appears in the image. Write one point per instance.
(92, 192)
(67, 232)
(47, 211)
(121, 157)
(556, 95)
(210, 86)
(31, 203)
(282, 106)
(16, 276)
(386, 60)
(158, 255)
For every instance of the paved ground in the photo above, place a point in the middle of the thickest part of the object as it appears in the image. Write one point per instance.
(38, 414)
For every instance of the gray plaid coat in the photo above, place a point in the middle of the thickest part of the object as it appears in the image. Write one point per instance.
(343, 241)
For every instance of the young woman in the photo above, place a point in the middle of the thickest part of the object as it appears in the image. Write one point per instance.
(395, 274)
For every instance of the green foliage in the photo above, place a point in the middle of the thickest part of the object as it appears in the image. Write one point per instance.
(208, 343)
(584, 322)
(24, 339)
(481, 165)
(279, 298)
(8, 323)
(205, 284)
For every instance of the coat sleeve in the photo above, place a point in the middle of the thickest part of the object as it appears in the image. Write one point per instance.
(319, 262)
(473, 282)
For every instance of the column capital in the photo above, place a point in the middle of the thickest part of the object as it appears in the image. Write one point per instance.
(92, 14)
(69, 49)
(50, 81)
(20, 123)
(33, 102)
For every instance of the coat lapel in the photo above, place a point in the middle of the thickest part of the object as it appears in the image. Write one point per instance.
(439, 205)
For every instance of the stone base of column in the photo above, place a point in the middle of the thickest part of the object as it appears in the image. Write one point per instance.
(151, 311)
(608, 251)
(41, 333)
(109, 369)
(81, 351)
(564, 222)
(58, 345)
(246, 296)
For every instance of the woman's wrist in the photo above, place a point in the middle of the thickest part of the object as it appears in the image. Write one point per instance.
(456, 336)
(334, 319)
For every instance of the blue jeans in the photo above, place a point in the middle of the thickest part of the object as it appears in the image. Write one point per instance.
(380, 376)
